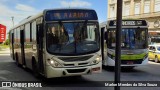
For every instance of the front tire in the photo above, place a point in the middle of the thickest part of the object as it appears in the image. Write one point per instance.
(16, 59)
(35, 69)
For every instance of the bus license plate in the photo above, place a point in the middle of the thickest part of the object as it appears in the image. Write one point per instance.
(130, 62)
(95, 69)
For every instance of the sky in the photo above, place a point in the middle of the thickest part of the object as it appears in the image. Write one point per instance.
(20, 9)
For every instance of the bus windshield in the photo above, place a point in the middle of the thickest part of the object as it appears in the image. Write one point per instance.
(132, 38)
(72, 38)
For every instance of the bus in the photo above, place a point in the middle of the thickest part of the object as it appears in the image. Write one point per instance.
(134, 43)
(58, 43)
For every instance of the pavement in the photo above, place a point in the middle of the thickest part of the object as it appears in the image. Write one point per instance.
(4, 51)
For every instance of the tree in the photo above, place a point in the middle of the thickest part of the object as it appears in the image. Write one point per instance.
(6, 42)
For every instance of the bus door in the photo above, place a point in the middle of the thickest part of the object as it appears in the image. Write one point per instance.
(22, 46)
(102, 43)
(12, 44)
(40, 47)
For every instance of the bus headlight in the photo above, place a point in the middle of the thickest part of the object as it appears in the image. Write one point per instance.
(54, 63)
(97, 60)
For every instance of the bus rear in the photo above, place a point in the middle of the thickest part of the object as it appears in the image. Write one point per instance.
(72, 42)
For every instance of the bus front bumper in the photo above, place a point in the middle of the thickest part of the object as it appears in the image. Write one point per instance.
(52, 72)
(111, 62)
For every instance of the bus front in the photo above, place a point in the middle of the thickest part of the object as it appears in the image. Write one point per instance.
(134, 43)
(72, 42)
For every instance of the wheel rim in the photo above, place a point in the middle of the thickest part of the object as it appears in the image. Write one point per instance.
(35, 71)
(34, 68)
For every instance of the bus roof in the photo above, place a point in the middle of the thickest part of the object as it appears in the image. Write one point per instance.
(69, 9)
(28, 19)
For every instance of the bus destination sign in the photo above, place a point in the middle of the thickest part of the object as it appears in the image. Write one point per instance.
(70, 15)
(130, 23)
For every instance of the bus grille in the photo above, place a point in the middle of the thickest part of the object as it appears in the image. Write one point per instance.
(73, 65)
(75, 70)
(73, 59)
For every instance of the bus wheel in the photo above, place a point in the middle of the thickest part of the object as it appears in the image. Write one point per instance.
(35, 69)
(17, 62)
(156, 59)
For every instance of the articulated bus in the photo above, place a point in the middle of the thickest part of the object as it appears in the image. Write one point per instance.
(134, 43)
(58, 43)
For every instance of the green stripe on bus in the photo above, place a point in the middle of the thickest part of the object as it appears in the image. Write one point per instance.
(133, 57)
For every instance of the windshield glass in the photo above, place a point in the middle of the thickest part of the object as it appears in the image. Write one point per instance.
(158, 48)
(154, 39)
(131, 38)
(72, 38)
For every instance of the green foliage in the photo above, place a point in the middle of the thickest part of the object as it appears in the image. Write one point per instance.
(2, 46)
(6, 42)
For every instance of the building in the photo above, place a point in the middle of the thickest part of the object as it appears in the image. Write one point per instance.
(139, 9)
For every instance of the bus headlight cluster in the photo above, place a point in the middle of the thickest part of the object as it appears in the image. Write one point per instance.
(97, 60)
(54, 63)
